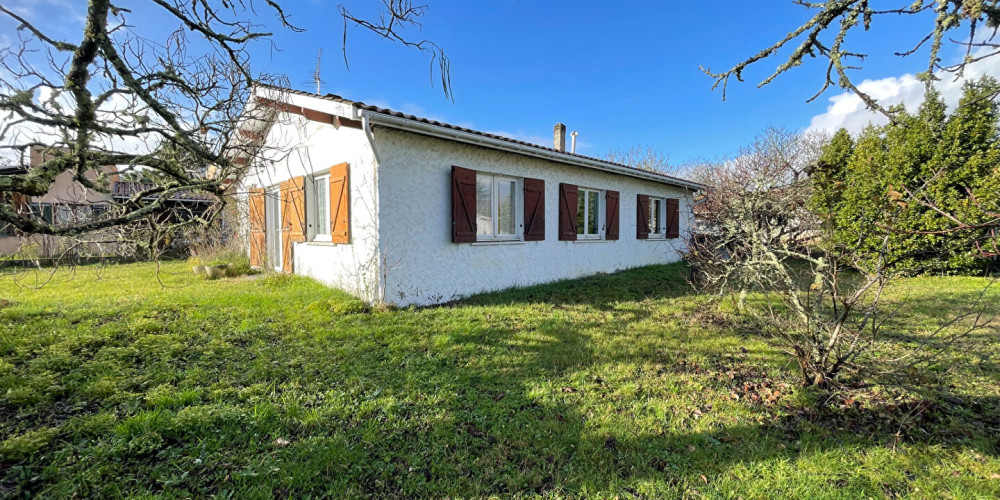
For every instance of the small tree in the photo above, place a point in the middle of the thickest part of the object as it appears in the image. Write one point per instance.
(828, 175)
(822, 291)
(642, 157)
(950, 160)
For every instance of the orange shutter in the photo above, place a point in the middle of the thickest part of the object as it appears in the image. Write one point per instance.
(257, 238)
(293, 218)
(340, 219)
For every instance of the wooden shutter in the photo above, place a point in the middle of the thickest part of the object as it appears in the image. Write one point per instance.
(568, 196)
(340, 219)
(642, 217)
(463, 205)
(534, 209)
(257, 237)
(611, 215)
(293, 218)
(673, 218)
(21, 202)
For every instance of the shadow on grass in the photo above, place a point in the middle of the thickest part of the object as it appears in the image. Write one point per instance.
(279, 399)
(502, 427)
(506, 429)
(600, 291)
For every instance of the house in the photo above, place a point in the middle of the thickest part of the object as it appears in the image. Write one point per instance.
(67, 201)
(401, 209)
(70, 202)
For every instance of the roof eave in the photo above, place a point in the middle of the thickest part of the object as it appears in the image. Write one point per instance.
(513, 147)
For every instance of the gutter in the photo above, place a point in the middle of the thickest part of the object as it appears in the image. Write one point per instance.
(366, 126)
(372, 117)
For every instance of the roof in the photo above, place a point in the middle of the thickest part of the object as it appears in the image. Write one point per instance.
(122, 190)
(13, 170)
(569, 157)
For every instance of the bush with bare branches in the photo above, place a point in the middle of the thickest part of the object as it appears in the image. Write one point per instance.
(817, 295)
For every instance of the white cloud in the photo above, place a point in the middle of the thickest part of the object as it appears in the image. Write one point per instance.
(848, 111)
(51, 12)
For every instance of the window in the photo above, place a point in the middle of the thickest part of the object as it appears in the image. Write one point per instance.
(319, 208)
(588, 214)
(71, 213)
(657, 228)
(42, 211)
(497, 207)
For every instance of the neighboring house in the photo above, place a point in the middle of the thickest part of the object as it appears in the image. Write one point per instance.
(67, 201)
(181, 204)
(405, 210)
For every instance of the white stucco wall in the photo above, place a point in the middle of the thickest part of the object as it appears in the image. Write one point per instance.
(425, 267)
(296, 146)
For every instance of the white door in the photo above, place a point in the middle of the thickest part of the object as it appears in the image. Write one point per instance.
(272, 212)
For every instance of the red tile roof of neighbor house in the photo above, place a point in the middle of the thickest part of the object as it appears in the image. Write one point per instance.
(399, 114)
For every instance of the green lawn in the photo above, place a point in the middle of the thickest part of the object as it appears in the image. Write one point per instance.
(125, 382)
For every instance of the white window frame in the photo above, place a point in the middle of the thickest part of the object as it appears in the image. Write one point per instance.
(495, 208)
(312, 212)
(582, 193)
(272, 227)
(661, 218)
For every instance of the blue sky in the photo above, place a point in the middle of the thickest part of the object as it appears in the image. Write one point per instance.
(621, 73)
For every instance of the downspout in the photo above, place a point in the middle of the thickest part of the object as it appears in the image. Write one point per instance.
(366, 125)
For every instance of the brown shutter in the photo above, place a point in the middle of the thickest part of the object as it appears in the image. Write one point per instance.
(293, 218)
(611, 215)
(340, 220)
(463, 205)
(257, 238)
(673, 218)
(21, 202)
(568, 196)
(534, 209)
(642, 217)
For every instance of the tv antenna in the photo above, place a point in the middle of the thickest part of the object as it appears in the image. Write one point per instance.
(316, 78)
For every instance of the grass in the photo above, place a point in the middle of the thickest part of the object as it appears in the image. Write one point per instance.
(113, 384)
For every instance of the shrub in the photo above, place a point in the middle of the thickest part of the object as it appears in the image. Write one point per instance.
(240, 267)
(340, 306)
(349, 306)
(906, 175)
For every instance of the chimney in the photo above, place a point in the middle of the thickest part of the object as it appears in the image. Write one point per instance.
(559, 137)
(36, 156)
